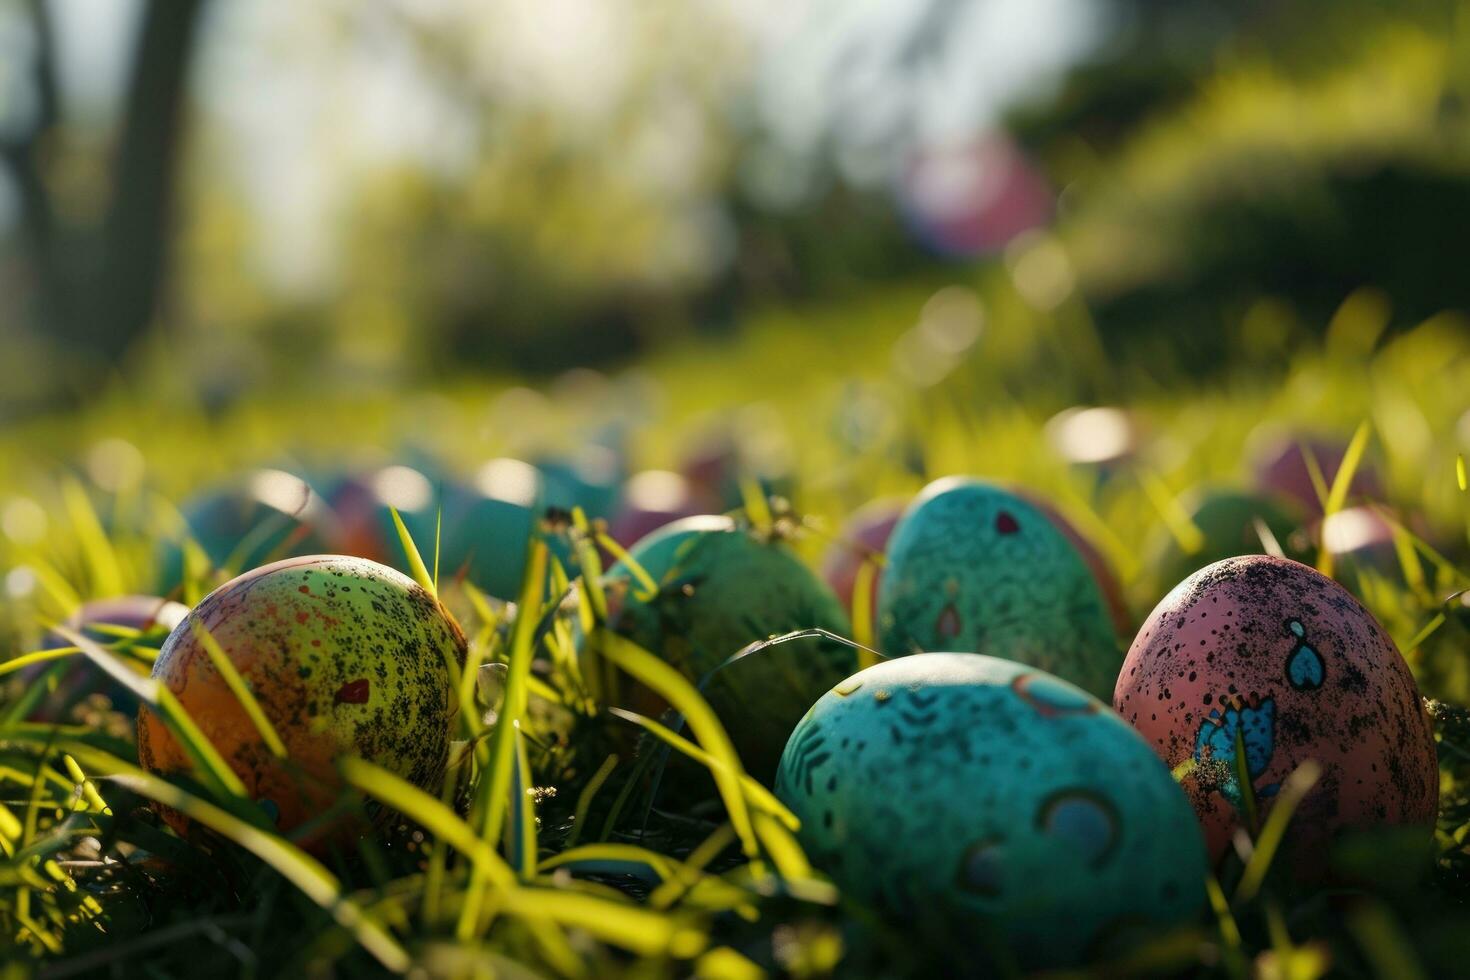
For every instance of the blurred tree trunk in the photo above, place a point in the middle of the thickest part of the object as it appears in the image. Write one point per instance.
(136, 230)
(98, 287)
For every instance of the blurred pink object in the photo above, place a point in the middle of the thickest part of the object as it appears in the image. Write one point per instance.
(865, 533)
(652, 499)
(973, 198)
(1281, 469)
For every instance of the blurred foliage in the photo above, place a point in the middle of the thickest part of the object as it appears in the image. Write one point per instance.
(1216, 165)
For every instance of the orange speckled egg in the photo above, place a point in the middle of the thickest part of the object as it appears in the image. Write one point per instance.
(345, 657)
(1271, 654)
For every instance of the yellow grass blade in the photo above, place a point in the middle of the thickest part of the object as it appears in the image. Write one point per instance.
(416, 566)
(239, 688)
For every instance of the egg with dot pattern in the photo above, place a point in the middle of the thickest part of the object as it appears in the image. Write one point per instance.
(995, 800)
(976, 568)
(720, 588)
(1267, 655)
(345, 657)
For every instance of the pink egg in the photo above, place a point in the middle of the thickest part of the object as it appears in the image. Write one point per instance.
(652, 499)
(1281, 468)
(1270, 652)
(865, 533)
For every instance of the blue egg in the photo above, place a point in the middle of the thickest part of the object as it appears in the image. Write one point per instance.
(995, 802)
(972, 567)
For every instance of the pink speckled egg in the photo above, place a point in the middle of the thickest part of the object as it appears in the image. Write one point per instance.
(1271, 654)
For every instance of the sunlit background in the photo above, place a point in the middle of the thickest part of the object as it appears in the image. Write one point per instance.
(219, 195)
(1188, 276)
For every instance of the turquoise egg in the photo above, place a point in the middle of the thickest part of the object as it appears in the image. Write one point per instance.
(995, 807)
(976, 568)
(721, 588)
(489, 523)
(590, 480)
(263, 515)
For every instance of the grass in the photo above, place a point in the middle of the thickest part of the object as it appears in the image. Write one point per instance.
(542, 855)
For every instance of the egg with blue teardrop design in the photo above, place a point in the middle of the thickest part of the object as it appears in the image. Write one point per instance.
(973, 567)
(1267, 656)
(988, 802)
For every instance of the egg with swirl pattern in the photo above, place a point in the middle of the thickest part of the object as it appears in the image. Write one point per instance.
(992, 809)
(1268, 658)
(973, 567)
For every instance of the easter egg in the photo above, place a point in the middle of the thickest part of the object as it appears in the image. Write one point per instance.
(265, 514)
(1102, 572)
(345, 657)
(650, 500)
(103, 621)
(1270, 654)
(721, 588)
(364, 506)
(865, 534)
(589, 480)
(1281, 469)
(982, 798)
(490, 523)
(720, 461)
(1226, 520)
(974, 568)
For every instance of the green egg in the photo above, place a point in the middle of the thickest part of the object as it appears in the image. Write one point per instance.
(976, 568)
(721, 588)
(992, 808)
(1226, 520)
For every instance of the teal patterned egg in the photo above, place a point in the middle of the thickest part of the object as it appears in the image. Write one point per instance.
(976, 568)
(722, 587)
(997, 808)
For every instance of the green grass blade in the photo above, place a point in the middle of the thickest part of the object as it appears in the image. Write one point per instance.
(1186, 534)
(293, 864)
(755, 794)
(523, 813)
(667, 682)
(862, 612)
(416, 565)
(1293, 790)
(101, 559)
(429, 812)
(238, 687)
(495, 785)
(38, 657)
(1337, 495)
(584, 799)
(662, 865)
(648, 588)
(206, 757)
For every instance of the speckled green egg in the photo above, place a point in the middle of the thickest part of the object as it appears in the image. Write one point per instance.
(990, 803)
(973, 567)
(722, 588)
(345, 657)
